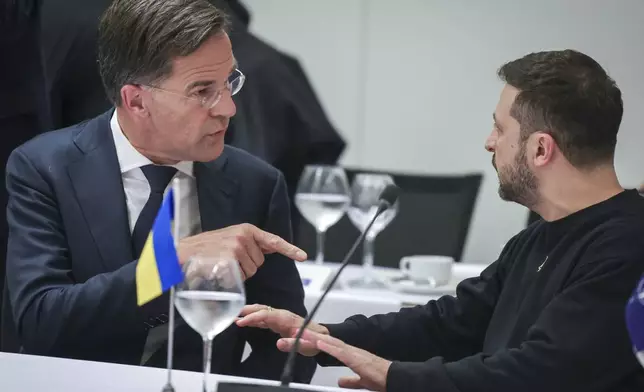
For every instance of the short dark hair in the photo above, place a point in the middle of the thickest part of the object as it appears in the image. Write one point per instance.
(138, 39)
(569, 95)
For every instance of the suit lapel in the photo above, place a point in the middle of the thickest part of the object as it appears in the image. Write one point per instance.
(216, 193)
(96, 180)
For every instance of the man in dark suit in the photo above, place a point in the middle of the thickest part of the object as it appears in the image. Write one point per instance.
(82, 200)
(69, 38)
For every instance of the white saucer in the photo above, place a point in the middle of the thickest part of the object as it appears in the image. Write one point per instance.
(405, 285)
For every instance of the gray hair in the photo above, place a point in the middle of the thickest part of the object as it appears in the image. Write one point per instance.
(138, 39)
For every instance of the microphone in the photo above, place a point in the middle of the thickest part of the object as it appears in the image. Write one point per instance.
(386, 200)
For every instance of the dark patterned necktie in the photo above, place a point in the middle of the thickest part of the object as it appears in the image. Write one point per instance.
(158, 177)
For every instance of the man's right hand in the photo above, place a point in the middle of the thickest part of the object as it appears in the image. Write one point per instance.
(282, 322)
(245, 243)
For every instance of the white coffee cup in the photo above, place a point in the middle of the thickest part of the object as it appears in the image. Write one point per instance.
(437, 270)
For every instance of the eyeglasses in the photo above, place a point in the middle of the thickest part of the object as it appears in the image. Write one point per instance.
(208, 96)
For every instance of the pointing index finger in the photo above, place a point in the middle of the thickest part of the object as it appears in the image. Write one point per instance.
(270, 243)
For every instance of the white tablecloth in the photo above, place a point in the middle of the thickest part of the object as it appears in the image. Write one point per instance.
(460, 272)
(28, 373)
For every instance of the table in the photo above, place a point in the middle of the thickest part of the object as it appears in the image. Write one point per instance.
(30, 373)
(26, 373)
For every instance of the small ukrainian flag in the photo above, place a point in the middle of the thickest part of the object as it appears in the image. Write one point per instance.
(158, 268)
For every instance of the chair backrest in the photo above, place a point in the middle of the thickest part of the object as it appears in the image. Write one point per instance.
(433, 219)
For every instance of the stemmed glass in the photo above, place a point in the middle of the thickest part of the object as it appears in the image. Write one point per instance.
(365, 194)
(322, 198)
(209, 299)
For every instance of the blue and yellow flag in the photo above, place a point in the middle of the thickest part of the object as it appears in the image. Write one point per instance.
(158, 268)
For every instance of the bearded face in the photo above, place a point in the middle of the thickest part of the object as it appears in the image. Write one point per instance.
(517, 182)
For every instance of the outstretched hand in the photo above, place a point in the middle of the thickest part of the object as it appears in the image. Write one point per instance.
(371, 370)
(282, 322)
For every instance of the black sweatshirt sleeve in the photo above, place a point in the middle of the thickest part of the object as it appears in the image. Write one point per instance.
(579, 343)
(451, 327)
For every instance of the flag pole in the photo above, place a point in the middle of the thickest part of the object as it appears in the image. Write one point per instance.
(175, 228)
(168, 386)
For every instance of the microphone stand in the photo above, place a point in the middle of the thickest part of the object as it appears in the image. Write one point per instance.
(387, 199)
(287, 376)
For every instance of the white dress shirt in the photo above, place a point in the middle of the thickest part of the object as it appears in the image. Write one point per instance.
(135, 185)
(137, 192)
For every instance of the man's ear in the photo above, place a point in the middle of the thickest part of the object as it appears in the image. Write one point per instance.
(545, 148)
(132, 99)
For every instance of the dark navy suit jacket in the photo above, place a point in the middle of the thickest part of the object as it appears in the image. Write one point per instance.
(70, 267)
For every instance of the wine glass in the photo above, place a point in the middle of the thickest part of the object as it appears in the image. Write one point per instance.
(365, 197)
(209, 299)
(322, 198)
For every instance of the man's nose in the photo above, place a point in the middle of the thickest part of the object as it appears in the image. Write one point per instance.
(490, 143)
(226, 106)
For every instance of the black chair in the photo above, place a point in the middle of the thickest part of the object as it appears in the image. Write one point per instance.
(433, 219)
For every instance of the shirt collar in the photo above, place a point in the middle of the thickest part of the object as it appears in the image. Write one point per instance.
(130, 158)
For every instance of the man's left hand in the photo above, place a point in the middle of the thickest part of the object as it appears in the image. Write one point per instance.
(371, 371)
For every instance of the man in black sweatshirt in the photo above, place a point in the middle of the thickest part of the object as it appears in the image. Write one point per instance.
(548, 315)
